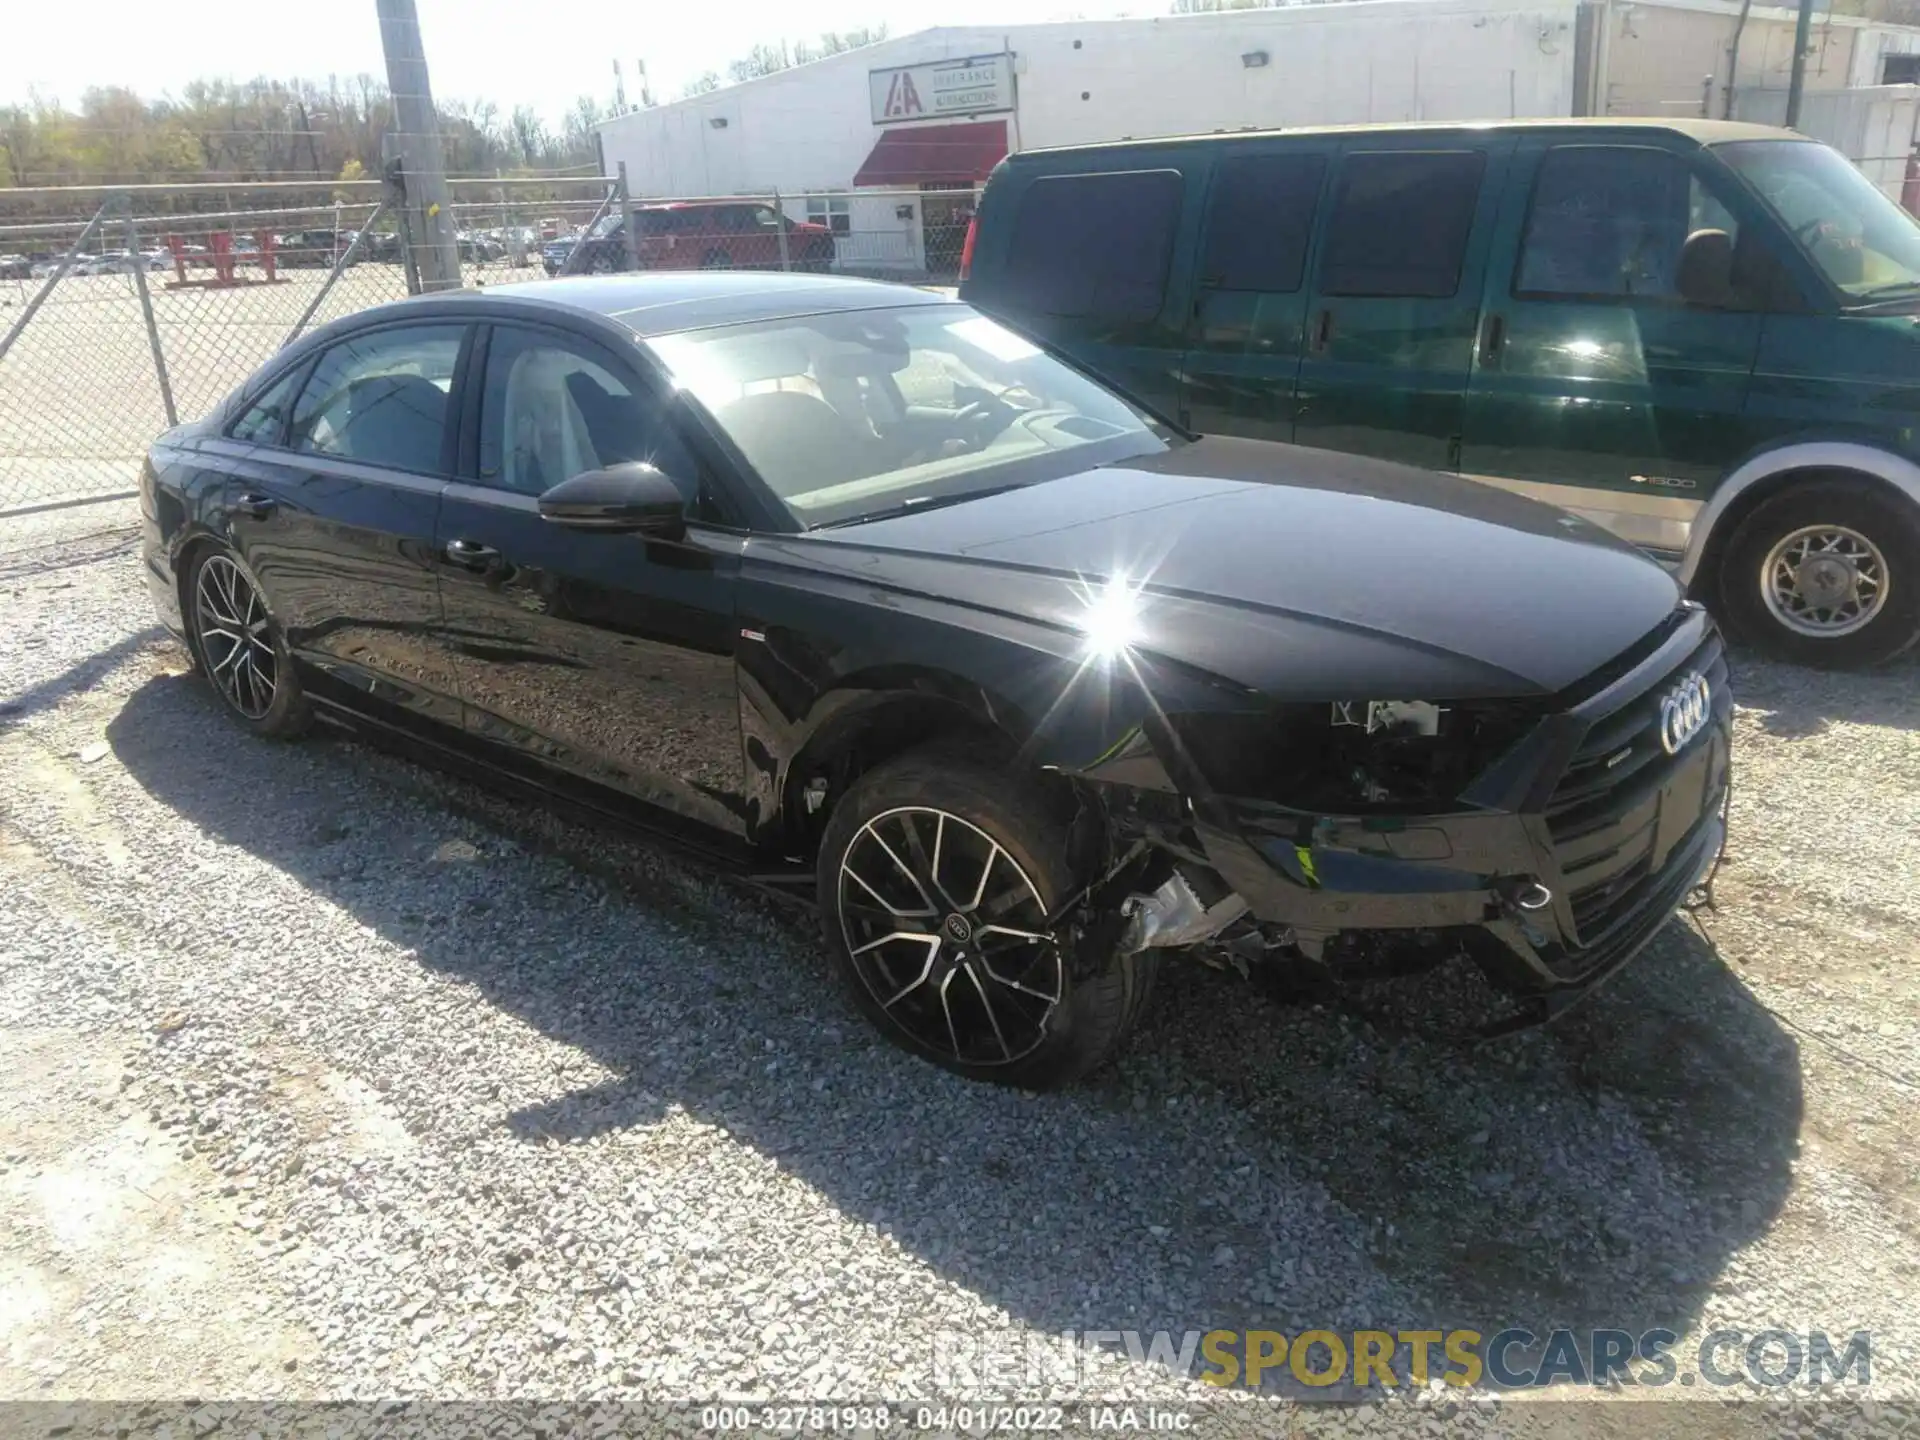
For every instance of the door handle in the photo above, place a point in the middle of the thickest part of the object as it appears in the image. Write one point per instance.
(1492, 341)
(253, 503)
(1323, 331)
(471, 554)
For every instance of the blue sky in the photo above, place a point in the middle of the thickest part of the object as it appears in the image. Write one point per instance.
(539, 52)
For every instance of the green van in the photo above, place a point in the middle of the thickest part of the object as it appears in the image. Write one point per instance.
(1703, 336)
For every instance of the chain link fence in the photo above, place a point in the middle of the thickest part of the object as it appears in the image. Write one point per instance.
(123, 313)
(142, 314)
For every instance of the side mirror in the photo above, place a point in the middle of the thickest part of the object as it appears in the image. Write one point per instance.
(634, 497)
(1705, 273)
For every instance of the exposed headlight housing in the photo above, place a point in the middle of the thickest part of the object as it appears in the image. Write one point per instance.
(1354, 756)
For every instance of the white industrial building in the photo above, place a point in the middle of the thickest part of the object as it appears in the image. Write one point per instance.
(843, 139)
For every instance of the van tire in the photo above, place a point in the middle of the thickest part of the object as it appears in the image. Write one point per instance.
(1764, 580)
(1098, 1000)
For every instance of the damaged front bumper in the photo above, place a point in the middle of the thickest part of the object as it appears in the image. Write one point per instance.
(1581, 842)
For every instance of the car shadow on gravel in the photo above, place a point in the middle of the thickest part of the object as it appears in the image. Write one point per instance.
(1250, 1163)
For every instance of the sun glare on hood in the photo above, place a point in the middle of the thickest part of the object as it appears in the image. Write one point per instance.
(1110, 619)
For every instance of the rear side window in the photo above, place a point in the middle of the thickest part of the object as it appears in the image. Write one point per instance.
(381, 397)
(1094, 246)
(1401, 222)
(1259, 220)
(264, 422)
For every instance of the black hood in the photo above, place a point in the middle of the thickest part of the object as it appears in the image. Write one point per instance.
(1298, 573)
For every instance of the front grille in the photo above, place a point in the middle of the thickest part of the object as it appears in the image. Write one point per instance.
(1605, 812)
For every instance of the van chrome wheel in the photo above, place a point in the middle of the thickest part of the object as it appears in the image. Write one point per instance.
(230, 622)
(948, 934)
(1824, 580)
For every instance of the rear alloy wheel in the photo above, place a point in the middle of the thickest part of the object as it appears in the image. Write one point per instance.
(239, 647)
(716, 260)
(1826, 573)
(936, 878)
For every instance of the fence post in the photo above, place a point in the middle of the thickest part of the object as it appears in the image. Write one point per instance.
(780, 214)
(571, 265)
(627, 228)
(59, 273)
(396, 197)
(345, 259)
(416, 133)
(153, 328)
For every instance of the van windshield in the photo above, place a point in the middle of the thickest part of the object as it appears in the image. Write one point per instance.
(1864, 243)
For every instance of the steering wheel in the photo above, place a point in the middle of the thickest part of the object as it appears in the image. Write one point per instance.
(1819, 232)
(981, 420)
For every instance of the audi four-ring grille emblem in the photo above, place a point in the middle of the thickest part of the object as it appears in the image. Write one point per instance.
(1684, 712)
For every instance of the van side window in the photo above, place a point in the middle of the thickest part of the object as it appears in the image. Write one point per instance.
(1094, 246)
(1611, 221)
(1401, 222)
(1259, 220)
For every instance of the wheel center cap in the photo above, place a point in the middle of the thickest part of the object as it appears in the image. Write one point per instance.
(959, 929)
(1826, 581)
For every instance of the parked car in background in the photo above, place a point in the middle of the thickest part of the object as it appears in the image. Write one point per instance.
(1699, 334)
(477, 248)
(554, 253)
(312, 248)
(15, 267)
(709, 235)
(852, 587)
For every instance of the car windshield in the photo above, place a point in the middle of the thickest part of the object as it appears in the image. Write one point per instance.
(859, 413)
(1864, 243)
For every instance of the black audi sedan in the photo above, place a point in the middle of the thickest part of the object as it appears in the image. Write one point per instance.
(845, 584)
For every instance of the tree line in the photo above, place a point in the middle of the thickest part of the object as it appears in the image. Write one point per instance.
(219, 130)
(267, 129)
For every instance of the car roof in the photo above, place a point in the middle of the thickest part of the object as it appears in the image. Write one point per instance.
(665, 302)
(1701, 132)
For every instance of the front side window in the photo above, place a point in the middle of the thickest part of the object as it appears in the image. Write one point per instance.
(1866, 245)
(1401, 222)
(549, 413)
(264, 422)
(1094, 246)
(381, 397)
(845, 415)
(1615, 222)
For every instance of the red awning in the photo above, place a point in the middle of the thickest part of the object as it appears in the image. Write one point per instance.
(924, 154)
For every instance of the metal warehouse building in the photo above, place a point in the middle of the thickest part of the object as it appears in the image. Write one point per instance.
(868, 140)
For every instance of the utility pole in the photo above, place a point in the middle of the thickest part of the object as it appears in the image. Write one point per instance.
(1797, 82)
(416, 139)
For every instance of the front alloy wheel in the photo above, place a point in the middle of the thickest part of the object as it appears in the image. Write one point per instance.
(238, 646)
(937, 874)
(949, 935)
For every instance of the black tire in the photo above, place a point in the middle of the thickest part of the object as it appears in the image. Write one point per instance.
(213, 604)
(716, 260)
(1885, 523)
(1044, 1026)
(600, 263)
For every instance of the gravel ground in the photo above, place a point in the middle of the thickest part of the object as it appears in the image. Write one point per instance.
(330, 1075)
